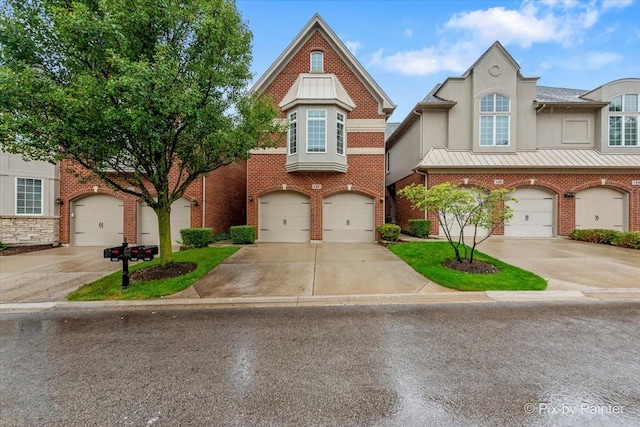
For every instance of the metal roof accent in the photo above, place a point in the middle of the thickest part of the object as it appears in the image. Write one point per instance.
(317, 88)
(316, 23)
(442, 158)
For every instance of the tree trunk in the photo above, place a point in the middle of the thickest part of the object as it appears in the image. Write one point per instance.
(164, 231)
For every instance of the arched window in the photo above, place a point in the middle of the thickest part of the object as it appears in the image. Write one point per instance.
(623, 120)
(317, 61)
(494, 120)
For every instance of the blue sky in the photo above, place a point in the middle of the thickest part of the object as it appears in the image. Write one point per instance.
(409, 46)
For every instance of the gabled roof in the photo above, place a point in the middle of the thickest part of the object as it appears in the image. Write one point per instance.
(318, 24)
(317, 89)
(497, 45)
(442, 158)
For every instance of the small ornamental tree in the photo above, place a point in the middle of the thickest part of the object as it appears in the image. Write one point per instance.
(458, 207)
(131, 90)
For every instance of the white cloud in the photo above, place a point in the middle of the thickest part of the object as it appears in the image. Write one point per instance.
(408, 32)
(353, 46)
(616, 4)
(591, 61)
(430, 60)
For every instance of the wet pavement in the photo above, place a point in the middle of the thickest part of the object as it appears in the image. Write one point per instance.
(51, 274)
(312, 269)
(458, 364)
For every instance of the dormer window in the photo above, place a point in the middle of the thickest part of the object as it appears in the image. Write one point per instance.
(317, 61)
(494, 120)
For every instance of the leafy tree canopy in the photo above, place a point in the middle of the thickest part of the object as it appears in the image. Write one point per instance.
(130, 90)
(461, 209)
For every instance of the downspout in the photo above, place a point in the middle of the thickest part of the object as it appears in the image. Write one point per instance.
(204, 199)
(543, 106)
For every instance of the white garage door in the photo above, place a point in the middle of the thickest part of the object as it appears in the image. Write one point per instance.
(468, 230)
(97, 220)
(532, 214)
(348, 217)
(148, 222)
(600, 208)
(284, 217)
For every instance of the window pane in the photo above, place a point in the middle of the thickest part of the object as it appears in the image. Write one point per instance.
(340, 138)
(502, 130)
(630, 103)
(316, 131)
(486, 104)
(293, 137)
(486, 130)
(316, 61)
(615, 130)
(29, 196)
(631, 130)
(502, 104)
(616, 104)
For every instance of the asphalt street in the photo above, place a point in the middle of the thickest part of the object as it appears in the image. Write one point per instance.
(540, 364)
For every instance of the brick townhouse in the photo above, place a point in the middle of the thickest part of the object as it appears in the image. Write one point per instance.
(572, 156)
(326, 181)
(92, 214)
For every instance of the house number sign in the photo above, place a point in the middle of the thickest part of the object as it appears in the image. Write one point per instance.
(635, 182)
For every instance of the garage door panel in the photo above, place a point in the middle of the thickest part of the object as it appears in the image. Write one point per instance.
(97, 221)
(600, 208)
(148, 222)
(348, 217)
(533, 214)
(284, 217)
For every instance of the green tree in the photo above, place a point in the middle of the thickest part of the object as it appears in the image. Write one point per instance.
(131, 90)
(460, 208)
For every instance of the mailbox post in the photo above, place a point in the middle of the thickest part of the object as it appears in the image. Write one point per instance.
(125, 253)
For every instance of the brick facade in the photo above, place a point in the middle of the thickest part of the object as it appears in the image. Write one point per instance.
(225, 190)
(365, 174)
(556, 183)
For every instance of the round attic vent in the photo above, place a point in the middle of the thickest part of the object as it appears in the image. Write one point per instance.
(495, 71)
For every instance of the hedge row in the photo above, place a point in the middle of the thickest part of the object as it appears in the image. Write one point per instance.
(389, 232)
(419, 228)
(628, 239)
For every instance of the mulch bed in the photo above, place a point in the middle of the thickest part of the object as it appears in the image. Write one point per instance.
(476, 267)
(17, 250)
(158, 272)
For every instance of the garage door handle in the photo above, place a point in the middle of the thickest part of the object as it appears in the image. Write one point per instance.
(526, 217)
(348, 222)
(284, 222)
(597, 218)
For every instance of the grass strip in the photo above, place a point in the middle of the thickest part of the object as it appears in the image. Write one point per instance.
(109, 287)
(427, 257)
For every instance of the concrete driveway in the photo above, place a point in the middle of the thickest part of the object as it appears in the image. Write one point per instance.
(307, 269)
(569, 264)
(51, 274)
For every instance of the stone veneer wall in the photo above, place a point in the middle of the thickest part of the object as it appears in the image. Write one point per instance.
(30, 230)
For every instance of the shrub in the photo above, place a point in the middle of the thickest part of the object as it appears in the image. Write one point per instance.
(241, 234)
(389, 232)
(220, 237)
(2, 246)
(419, 227)
(630, 239)
(595, 235)
(196, 237)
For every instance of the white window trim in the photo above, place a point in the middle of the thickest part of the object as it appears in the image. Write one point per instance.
(321, 70)
(325, 130)
(289, 152)
(41, 197)
(622, 114)
(494, 114)
(344, 133)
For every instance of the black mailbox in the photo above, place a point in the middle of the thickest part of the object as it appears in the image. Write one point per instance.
(149, 252)
(114, 253)
(136, 253)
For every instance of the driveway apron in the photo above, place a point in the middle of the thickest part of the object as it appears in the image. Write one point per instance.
(307, 269)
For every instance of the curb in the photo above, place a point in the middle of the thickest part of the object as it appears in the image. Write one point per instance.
(627, 295)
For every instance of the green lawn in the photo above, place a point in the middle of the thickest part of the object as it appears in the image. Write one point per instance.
(426, 258)
(109, 287)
